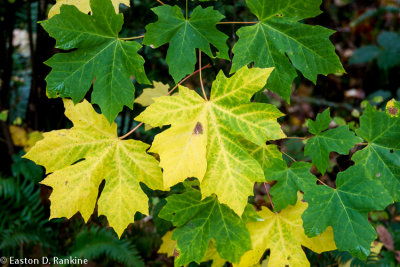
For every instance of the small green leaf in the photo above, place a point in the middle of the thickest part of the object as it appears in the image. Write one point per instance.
(289, 181)
(381, 158)
(185, 35)
(321, 122)
(339, 140)
(198, 221)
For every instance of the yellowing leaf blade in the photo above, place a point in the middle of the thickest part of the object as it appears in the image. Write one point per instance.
(284, 235)
(100, 155)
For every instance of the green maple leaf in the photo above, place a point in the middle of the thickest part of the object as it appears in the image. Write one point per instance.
(198, 221)
(339, 140)
(99, 55)
(268, 156)
(279, 40)
(289, 181)
(380, 159)
(203, 137)
(185, 35)
(346, 210)
(80, 158)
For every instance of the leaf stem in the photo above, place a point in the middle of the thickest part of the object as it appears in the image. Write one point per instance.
(238, 22)
(132, 38)
(287, 155)
(160, 2)
(176, 86)
(201, 79)
(295, 137)
(186, 14)
(361, 144)
(131, 131)
(319, 180)
(269, 197)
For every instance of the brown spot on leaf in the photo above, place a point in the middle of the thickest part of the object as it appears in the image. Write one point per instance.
(198, 129)
(393, 111)
(176, 253)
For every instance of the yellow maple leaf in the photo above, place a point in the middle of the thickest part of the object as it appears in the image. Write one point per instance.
(33, 138)
(168, 246)
(24, 138)
(82, 5)
(284, 235)
(80, 158)
(19, 135)
(146, 98)
(203, 139)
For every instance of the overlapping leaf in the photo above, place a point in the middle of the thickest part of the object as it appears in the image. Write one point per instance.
(205, 135)
(82, 5)
(282, 233)
(168, 246)
(339, 140)
(380, 159)
(198, 221)
(289, 181)
(146, 98)
(80, 158)
(346, 210)
(185, 35)
(100, 55)
(279, 40)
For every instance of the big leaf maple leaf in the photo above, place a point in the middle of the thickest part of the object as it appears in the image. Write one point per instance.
(381, 157)
(346, 210)
(203, 139)
(80, 158)
(279, 40)
(283, 234)
(169, 245)
(339, 140)
(99, 54)
(185, 35)
(199, 221)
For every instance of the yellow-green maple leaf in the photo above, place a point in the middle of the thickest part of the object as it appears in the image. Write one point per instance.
(168, 246)
(80, 158)
(82, 5)
(284, 235)
(203, 139)
(146, 98)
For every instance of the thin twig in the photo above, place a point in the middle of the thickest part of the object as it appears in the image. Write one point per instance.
(176, 86)
(132, 38)
(269, 197)
(201, 79)
(238, 22)
(160, 2)
(186, 14)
